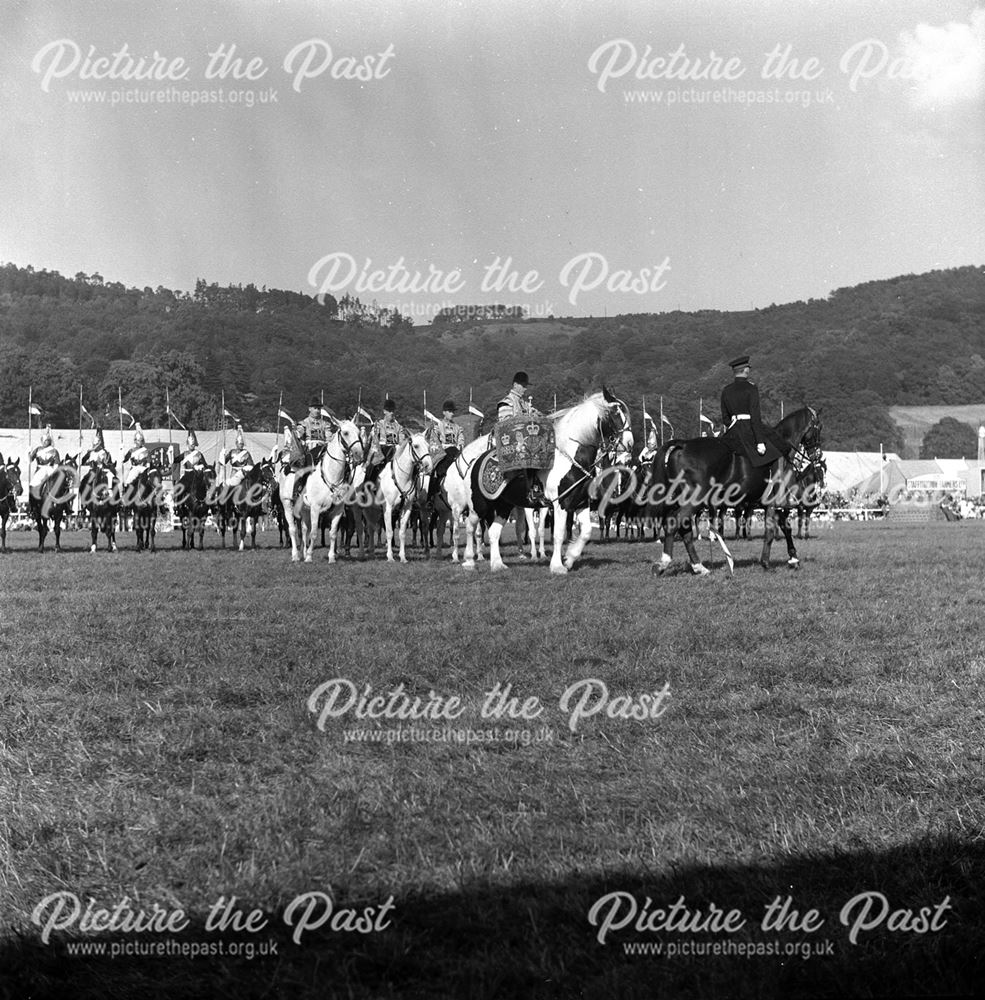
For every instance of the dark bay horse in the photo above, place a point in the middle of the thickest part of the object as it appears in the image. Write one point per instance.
(100, 498)
(54, 501)
(690, 476)
(245, 501)
(142, 500)
(11, 488)
(191, 503)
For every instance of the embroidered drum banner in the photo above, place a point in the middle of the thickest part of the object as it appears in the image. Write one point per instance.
(524, 443)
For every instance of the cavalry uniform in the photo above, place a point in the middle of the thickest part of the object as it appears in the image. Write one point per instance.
(447, 437)
(47, 460)
(98, 456)
(745, 432)
(388, 434)
(312, 432)
(650, 449)
(240, 459)
(193, 457)
(138, 457)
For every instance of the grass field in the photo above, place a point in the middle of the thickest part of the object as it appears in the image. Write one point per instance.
(819, 738)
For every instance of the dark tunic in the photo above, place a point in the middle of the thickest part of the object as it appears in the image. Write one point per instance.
(741, 398)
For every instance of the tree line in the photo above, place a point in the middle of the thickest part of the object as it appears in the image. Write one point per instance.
(911, 340)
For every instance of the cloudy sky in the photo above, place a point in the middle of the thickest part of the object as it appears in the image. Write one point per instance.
(637, 156)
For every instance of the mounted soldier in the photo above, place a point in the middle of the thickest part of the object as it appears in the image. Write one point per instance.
(446, 439)
(388, 432)
(192, 458)
(47, 459)
(745, 432)
(313, 432)
(96, 458)
(138, 457)
(239, 458)
(513, 404)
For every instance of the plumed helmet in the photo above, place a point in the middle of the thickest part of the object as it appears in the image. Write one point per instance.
(99, 443)
(191, 441)
(651, 438)
(240, 440)
(138, 437)
(46, 437)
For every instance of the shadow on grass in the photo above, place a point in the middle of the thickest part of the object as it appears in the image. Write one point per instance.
(533, 939)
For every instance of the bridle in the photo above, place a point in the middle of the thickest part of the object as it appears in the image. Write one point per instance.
(806, 455)
(348, 463)
(417, 461)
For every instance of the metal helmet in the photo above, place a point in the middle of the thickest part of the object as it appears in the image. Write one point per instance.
(138, 436)
(191, 441)
(99, 443)
(240, 440)
(46, 437)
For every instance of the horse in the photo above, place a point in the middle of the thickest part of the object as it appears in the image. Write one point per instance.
(191, 503)
(402, 487)
(325, 490)
(100, 499)
(11, 488)
(54, 500)
(142, 502)
(582, 432)
(244, 502)
(690, 475)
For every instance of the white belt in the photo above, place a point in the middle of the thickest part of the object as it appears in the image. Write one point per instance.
(738, 416)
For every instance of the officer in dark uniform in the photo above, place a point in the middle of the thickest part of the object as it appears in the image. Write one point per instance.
(745, 432)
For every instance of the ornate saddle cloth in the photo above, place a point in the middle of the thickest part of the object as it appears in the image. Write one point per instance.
(490, 476)
(525, 442)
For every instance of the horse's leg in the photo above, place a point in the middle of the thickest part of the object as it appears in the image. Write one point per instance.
(112, 535)
(495, 556)
(560, 530)
(468, 557)
(769, 533)
(687, 517)
(93, 531)
(388, 527)
(404, 520)
(792, 559)
(583, 518)
(334, 516)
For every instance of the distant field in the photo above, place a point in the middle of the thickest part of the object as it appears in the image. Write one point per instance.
(819, 737)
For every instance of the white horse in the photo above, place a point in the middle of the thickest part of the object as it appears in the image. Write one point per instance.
(399, 484)
(326, 490)
(580, 433)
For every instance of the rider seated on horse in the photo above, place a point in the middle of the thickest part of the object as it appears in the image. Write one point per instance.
(513, 404)
(446, 438)
(745, 432)
(47, 458)
(387, 435)
(309, 440)
(191, 459)
(240, 459)
(97, 458)
(139, 458)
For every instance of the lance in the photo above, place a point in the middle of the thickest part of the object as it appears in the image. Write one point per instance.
(661, 421)
(30, 412)
(119, 406)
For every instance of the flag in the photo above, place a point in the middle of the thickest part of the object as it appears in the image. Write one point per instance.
(666, 421)
(34, 411)
(646, 416)
(475, 411)
(716, 537)
(230, 414)
(86, 413)
(361, 411)
(126, 413)
(707, 420)
(327, 414)
(284, 415)
(428, 415)
(169, 412)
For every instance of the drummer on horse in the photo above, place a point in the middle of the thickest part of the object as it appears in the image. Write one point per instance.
(513, 404)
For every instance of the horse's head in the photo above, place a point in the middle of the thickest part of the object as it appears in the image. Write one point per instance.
(348, 436)
(421, 451)
(12, 472)
(615, 427)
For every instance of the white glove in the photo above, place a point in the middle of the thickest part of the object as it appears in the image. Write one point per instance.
(761, 448)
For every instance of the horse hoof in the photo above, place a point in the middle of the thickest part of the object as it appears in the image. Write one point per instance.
(794, 563)
(699, 569)
(112, 548)
(559, 570)
(92, 548)
(469, 565)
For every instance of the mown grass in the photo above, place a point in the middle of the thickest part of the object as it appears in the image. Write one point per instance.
(823, 738)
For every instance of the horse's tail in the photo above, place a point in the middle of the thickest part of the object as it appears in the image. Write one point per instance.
(656, 493)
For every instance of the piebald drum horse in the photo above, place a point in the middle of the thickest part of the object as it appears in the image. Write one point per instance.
(581, 433)
(401, 484)
(11, 488)
(689, 476)
(326, 490)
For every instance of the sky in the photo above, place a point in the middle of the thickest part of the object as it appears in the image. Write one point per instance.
(641, 156)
